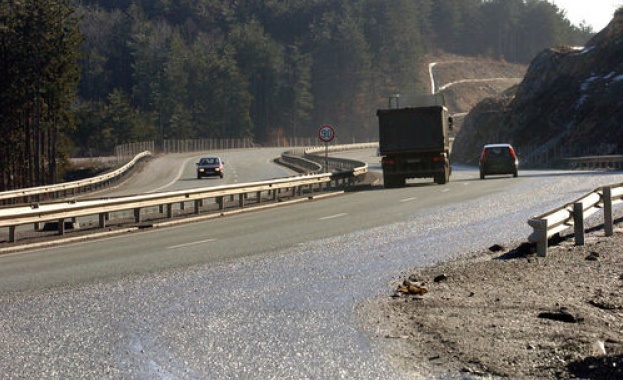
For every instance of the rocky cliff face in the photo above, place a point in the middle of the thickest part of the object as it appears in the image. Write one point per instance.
(569, 104)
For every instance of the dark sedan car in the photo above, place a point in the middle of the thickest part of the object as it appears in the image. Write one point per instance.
(498, 159)
(210, 166)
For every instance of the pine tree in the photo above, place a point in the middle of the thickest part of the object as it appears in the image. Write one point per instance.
(38, 62)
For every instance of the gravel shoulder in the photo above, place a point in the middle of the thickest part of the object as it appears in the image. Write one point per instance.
(508, 314)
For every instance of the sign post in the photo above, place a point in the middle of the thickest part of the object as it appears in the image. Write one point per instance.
(326, 134)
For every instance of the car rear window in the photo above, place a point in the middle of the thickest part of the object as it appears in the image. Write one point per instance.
(498, 151)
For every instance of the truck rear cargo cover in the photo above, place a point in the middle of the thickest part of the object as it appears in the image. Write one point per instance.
(406, 130)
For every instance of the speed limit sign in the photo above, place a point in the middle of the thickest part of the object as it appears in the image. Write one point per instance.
(326, 133)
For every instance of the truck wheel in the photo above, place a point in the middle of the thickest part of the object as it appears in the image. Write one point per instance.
(443, 178)
(392, 182)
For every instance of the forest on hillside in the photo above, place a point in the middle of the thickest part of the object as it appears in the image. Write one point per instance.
(184, 69)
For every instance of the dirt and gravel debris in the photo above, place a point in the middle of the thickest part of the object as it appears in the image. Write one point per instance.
(509, 314)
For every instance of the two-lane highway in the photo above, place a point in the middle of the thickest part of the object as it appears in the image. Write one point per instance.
(271, 294)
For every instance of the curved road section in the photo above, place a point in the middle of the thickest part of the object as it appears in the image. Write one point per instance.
(274, 294)
(178, 171)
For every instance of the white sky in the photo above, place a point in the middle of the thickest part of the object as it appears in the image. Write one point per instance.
(596, 13)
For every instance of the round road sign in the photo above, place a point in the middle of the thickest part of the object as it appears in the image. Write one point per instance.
(326, 133)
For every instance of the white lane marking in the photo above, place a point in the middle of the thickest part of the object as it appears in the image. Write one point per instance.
(445, 190)
(179, 175)
(191, 244)
(333, 216)
(408, 200)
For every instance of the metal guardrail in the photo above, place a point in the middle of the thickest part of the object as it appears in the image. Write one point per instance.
(296, 160)
(37, 194)
(219, 197)
(572, 215)
(311, 160)
(545, 226)
(203, 199)
(303, 158)
(593, 162)
(314, 154)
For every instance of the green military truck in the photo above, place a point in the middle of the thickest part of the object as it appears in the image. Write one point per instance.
(414, 142)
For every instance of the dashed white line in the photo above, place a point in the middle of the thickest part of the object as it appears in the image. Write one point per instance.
(191, 244)
(405, 200)
(333, 216)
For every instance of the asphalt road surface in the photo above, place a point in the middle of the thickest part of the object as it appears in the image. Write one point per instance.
(178, 171)
(271, 294)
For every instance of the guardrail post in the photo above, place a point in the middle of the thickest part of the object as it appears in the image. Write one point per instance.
(541, 232)
(198, 205)
(221, 202)
(103, 217)
(137, 215)
(241, 200)
(169, 210)
(61, 226)
(608, 222)
(12, 235)
(578, 223)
